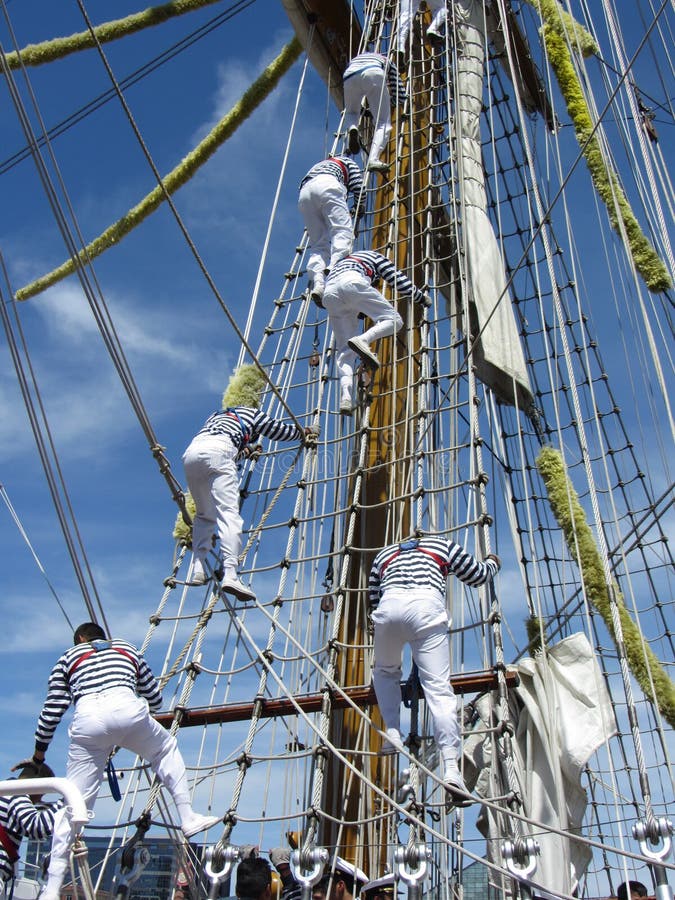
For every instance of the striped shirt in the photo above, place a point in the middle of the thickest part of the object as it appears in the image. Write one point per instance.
(416, 570)
(344, 169)
(377, 60)
(117, 664)
(20, 818)
(373, 265)
(291, 889)
(243, 424)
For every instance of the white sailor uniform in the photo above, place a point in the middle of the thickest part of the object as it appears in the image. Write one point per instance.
(323, 205)
(372, 76)
(210, 463)
(113, 690)
(407, 587)
(350, 291)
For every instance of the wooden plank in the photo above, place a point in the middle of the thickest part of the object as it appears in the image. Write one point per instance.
(362, 695)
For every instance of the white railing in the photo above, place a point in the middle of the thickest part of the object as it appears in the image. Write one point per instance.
(78, 811)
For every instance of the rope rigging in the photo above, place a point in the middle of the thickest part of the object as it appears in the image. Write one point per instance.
(431, 447)
(129, 80)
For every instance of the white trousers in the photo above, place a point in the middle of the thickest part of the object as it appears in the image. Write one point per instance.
(421, 620)
(407, 11)
(114, 718)
(370, 83)
(212, 477)
(347, 295)
(323, 206)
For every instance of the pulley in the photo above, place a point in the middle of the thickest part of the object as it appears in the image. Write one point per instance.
(520, 857)
(218, 865)
(411, 862)
(307, 867)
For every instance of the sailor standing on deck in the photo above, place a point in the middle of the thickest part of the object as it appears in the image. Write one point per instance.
(407, 590)
(341, 881)
(210, 463)
(350, 290)
(23, 816)
(373, 76)
(113, 690)
(323, 206)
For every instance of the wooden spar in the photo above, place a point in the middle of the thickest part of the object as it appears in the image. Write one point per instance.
(329, 34)
(269, 708)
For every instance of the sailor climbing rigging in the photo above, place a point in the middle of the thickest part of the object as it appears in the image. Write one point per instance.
(350, 291)
(210, 463)
(407, 589)
(113, 690)
(373, 76)
(323, 205)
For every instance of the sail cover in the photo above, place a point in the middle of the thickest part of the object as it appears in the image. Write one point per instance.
(562, 714)
(500, 359)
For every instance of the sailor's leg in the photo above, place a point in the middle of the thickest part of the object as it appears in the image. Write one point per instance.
(380, 107)
(345, 324)
(371, 303)
(340, 227)
(310, 204)
(196, 462)
(88, 752)
(229, 522)
(431, 653)
(353, 91)
(388, 644)
(407, 9)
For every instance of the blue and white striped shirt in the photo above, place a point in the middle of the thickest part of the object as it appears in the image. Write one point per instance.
(344, 169)
(417, 570)
(79, 671)
(244, 424)
(377, 60)
(20, 818)
(373, 265)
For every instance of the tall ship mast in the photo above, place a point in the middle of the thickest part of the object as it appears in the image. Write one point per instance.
(528, 193)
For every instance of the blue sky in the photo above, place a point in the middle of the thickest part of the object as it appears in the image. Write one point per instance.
(179, 343)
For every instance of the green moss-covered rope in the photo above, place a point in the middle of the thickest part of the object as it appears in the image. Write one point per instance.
(557, 18)
(559, 31)
(48, 51)
(535, 627)
(182, 532)
(248, 102)
(244, 387)
(644, 664)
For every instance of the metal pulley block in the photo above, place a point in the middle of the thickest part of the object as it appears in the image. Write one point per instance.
(307, 867)
(411, 862)
(652, 832)
(521, 856)
(218, 865)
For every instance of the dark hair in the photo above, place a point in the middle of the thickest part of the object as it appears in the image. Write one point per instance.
(36, 770)
(254, 874)
(90, 631)
(622, 891)
(337, 875)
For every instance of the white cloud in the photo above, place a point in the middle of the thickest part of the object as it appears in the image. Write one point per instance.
(68, 318)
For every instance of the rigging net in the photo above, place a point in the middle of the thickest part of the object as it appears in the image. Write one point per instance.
(432, 448)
